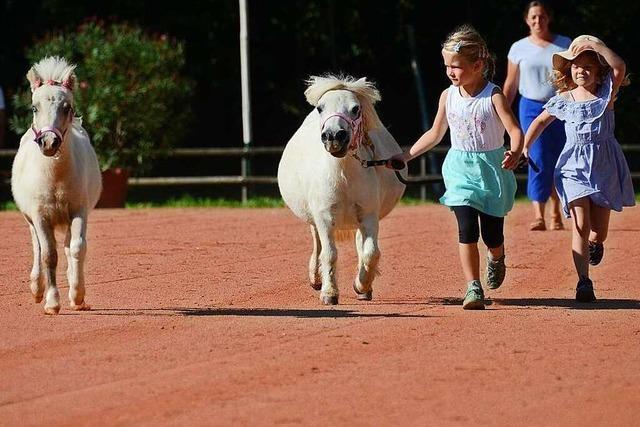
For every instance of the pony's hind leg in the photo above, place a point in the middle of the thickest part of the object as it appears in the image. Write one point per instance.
(76, 250)
(328, 257)
(368, 257)
(35, 278)
(314, 261)
(49, 262)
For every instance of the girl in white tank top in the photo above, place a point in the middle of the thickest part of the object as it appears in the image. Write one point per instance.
(477, 172)
(473, 121)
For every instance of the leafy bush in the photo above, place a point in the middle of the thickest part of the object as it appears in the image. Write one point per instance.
(131, 94)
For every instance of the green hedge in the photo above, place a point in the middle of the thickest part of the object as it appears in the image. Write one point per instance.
(131, 93)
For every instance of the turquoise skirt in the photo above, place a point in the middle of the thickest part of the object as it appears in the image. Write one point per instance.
(477, 179)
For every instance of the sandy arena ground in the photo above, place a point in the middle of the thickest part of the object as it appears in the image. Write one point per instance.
(205, 317)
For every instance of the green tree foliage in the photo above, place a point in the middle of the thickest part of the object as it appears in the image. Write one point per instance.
(292, 39)
(133, 99)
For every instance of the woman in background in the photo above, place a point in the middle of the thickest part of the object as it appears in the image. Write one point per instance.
(528, 71)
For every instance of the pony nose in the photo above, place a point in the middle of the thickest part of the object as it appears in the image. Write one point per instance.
(50, 139)
(49, 143)
(341, 136)
(56, 143)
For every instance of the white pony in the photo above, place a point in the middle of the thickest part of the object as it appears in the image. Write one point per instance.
(323, 181)
(56, 182)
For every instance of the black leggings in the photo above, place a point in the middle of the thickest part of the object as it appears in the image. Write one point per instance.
(469, 229)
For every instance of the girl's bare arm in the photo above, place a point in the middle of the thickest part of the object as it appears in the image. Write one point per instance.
(538, 125)
(512, 127)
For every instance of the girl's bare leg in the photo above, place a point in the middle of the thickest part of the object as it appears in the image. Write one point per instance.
(580, 215)
(599, 223)
(470, 260)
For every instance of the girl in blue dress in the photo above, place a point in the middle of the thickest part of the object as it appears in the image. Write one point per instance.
(480, 185)
(591, 175)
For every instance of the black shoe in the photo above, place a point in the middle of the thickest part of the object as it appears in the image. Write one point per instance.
(596, 251)
(584, 290)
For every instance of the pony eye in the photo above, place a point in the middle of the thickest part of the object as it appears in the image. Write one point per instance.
(319, 108)
(34, 109)
(355, 109)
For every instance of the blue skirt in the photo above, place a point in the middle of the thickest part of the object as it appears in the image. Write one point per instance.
(544, 151)
(476, 179)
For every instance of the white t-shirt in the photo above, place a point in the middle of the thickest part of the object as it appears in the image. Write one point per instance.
(2, 106)
(474, 124)
(535, 66)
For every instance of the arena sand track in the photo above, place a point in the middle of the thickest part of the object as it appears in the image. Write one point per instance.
(205, 317)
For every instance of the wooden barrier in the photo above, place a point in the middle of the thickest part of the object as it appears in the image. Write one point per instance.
(422, 178)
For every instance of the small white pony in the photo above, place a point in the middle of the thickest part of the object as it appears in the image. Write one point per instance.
(323, 181)
(56, 182)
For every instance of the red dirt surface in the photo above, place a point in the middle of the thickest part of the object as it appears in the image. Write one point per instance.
(205, 317)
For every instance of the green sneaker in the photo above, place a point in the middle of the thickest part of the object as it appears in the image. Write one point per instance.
(474, 298)
(496, 270)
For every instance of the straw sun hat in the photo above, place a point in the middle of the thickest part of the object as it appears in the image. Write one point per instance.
(561, 59)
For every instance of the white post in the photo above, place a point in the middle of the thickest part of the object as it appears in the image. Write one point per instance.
(246, 95)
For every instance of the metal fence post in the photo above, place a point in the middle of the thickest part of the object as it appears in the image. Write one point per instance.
(247, 137)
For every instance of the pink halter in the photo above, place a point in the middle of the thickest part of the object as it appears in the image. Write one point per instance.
(357, 132)
(40, 133)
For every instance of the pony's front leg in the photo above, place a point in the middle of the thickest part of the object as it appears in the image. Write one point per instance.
(49, 262)
(76, 250)
(35, 278)
(328, 257)
(314, 261)
(368, 257)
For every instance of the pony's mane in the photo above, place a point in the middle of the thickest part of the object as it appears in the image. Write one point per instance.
(54, 68)
(365, 90)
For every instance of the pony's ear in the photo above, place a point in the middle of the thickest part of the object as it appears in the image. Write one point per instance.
(34, 79)
(311, 93)
(367, 89)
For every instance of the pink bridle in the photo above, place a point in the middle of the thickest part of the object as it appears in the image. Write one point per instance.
(355, 125)
(39, 134)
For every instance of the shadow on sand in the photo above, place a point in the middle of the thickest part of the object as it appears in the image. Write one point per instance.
(246, 312)
(601, 304)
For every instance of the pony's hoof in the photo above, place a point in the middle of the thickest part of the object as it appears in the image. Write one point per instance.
(329, 299)
(316, 286)
(363, 296)
(52, 310)
(367, 296)
(83, 306)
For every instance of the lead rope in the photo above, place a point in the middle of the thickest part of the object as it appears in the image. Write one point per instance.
(396, 164)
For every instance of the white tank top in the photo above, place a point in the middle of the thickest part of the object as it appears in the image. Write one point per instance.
(473, 122)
